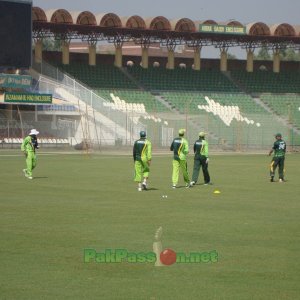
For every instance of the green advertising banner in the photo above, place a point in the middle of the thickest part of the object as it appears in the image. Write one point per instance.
(222, 29)
(15, 81)
(27, 98)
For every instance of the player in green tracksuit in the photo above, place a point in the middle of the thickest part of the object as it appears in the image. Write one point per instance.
(180, 148)
(279, 148)
(142, 155)
(201, 160)
(28, 146)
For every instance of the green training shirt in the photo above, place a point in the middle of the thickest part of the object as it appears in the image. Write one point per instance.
(28, 144)
(279, 148)
(142, 150)
(180, 148)
(201, 148)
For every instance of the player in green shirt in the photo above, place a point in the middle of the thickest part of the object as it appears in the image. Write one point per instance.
(180, 148)
(279, 149)
(28, 146)
(200, 160)
(142, 155)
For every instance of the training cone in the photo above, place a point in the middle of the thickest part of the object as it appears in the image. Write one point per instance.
(217, 192)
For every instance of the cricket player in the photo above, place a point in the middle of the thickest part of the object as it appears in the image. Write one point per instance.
(28, 146)
(180, 148)
(200, 160)
(142, 155)
(279, 148)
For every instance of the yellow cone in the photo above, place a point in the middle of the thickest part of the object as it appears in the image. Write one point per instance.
(217, 192)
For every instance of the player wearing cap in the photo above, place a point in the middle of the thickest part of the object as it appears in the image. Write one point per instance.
(180, 148)
(279, 148)
(200, 160)
(142, 155)
(28, 146)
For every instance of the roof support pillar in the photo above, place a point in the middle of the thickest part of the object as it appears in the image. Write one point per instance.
(276, 61)
(65, 52)
(171, 45)
(92, 54)
(170, 63)
(197, 58)
(223, 59)
(118, 56)
(250, 58)
(38, 51)
(145, 57)
(118, 42)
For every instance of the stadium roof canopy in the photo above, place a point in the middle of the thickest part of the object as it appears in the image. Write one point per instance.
(85, 25)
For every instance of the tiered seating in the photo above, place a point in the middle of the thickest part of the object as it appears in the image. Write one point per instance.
(286, 105)
(268, 82)
(187, 102)
(182, 79)
(100, 76)
(135, 96)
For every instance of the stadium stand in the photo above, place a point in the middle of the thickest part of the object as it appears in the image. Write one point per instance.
(182, 79)
(100, 76)
(268, 82)
(237, 119)
(188, 102)
(286, 105)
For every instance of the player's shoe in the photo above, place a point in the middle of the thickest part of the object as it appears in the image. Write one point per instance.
(281, 180)
(139, 189)
(187, 186)
(25, 173)
(144, 186)
(192, 183)
(174, 186)
(29, 177)
(272, 179)
(207, 183)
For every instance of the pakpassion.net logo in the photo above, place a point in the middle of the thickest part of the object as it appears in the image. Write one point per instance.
(166, 257)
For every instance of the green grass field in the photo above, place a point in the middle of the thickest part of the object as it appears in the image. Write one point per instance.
(77, 202)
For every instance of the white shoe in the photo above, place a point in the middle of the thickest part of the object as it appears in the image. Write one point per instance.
(139, 189)
(174, 186)
(25, 173)
(144, 186)
(29, 177)
(192, 183)
(280, 180)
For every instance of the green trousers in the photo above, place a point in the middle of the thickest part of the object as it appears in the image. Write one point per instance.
(141, 169)
(277, 162)
(30, 163)
(180, 164)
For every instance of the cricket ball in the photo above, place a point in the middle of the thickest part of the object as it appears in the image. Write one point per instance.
(168, 257)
